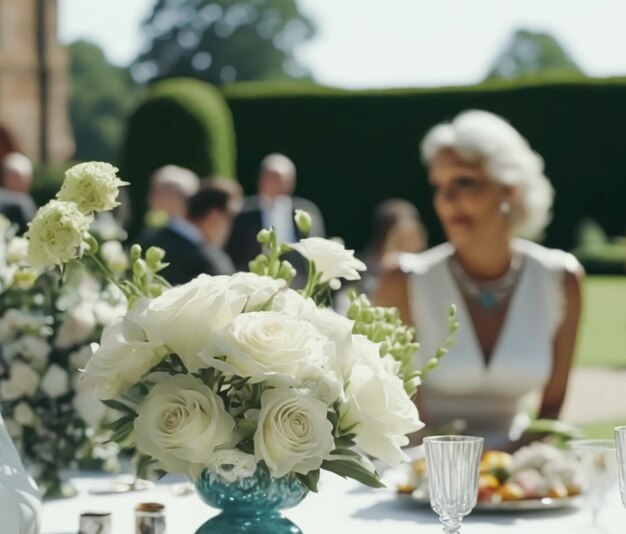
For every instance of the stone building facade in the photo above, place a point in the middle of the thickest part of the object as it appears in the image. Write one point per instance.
(33, 82)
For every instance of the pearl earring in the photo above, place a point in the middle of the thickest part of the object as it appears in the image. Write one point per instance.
(505, 208)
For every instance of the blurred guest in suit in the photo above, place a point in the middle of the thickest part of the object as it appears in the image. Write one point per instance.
(170, 189)
(193, 243)
(396, 228)
(230, 185)
(274, 206)
(16, 204)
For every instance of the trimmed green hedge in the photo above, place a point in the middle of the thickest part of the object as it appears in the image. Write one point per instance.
(356, 148)
(181, 121)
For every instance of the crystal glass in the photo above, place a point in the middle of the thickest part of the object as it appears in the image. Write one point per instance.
(453, 464)
(250, 505)
(599, 462)
(620, 440)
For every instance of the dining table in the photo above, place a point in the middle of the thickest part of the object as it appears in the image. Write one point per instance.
(340, 506)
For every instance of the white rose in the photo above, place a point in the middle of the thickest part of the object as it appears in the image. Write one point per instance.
(17, 250)
(232, 464)
(294, 434)
(114, 256)
(336, 327)
(124, 356)
(93, 186)
(377, 406)
(185, 318)
(56, 234)
(78, 325)
(181, 423)
(35, 349)
(260, 345)
(330, 258)
(56, 382)
(23, 414)
(89, 408)
(327, 387)
(23, 381)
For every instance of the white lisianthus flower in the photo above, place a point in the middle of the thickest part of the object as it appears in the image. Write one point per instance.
(260, 345)
(185, 318)
(232, 464)
(377, 406)
(124, 356)
(17, 250)
(294, 434)
(332, 259)
(114, 256)
(14, 429)
(34, 349)
(24, 414)
(89, 408)
(93, 186)
(56, 382)
(56, 234)
(77, 326)
(23, 381)
(181, 423)
(79, 358)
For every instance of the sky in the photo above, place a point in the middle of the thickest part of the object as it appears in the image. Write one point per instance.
(396, 43)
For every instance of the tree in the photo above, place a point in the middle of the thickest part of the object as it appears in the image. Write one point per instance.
(531, 53)
(221, 41)
(101, 98)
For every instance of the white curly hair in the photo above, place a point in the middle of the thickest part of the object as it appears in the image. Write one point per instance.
(487, 139)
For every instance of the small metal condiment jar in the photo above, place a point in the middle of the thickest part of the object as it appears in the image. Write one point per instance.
(95, 523)
(150, 518)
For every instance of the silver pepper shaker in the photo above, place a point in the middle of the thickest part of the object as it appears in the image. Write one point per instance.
(150, 518)
(95, 523)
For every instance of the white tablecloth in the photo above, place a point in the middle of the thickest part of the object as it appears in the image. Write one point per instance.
(340, 507)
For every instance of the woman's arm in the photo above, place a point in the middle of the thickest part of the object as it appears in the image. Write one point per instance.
(564, 344)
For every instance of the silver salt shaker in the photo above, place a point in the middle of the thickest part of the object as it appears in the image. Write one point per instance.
(95, 523)
(150, 518)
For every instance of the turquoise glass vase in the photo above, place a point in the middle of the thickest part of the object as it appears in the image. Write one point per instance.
(250, 505)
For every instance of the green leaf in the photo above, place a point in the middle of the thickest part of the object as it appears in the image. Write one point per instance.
(121, 422)
(119, 406)
(355, 470)
(310, 480)
(345, 442)
(121, 433)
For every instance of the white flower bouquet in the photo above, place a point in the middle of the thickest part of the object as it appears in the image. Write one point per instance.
(46, 329)
(233, 374)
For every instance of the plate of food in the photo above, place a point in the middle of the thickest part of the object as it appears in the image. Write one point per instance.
(537, 477)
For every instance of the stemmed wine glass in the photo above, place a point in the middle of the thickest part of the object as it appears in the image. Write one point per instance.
(453, 464)
(620, 440)
(599, 463)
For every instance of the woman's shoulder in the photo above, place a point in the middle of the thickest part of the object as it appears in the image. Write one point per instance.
(549, 259)
(424, 262)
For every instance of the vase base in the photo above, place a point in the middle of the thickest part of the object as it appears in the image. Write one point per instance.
(257, 524)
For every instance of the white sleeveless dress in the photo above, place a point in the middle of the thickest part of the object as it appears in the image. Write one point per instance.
(20, 506)
(487, 397)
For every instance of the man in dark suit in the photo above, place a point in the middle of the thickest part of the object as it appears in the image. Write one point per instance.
(16, 204)
(193, 244)
(274, 206)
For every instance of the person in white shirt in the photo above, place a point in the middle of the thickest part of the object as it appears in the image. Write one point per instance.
(518, 302)
(274, 206)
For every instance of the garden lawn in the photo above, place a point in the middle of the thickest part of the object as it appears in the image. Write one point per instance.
(602, 340)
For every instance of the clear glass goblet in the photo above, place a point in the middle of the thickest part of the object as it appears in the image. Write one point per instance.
(620, 441)
(599, 463)
(453, 464)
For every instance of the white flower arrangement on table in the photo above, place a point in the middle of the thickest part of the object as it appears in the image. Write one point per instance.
(237, 373)
(46, 329)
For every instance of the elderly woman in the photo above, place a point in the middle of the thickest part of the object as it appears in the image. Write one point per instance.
(19, 500)
(518, 302)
